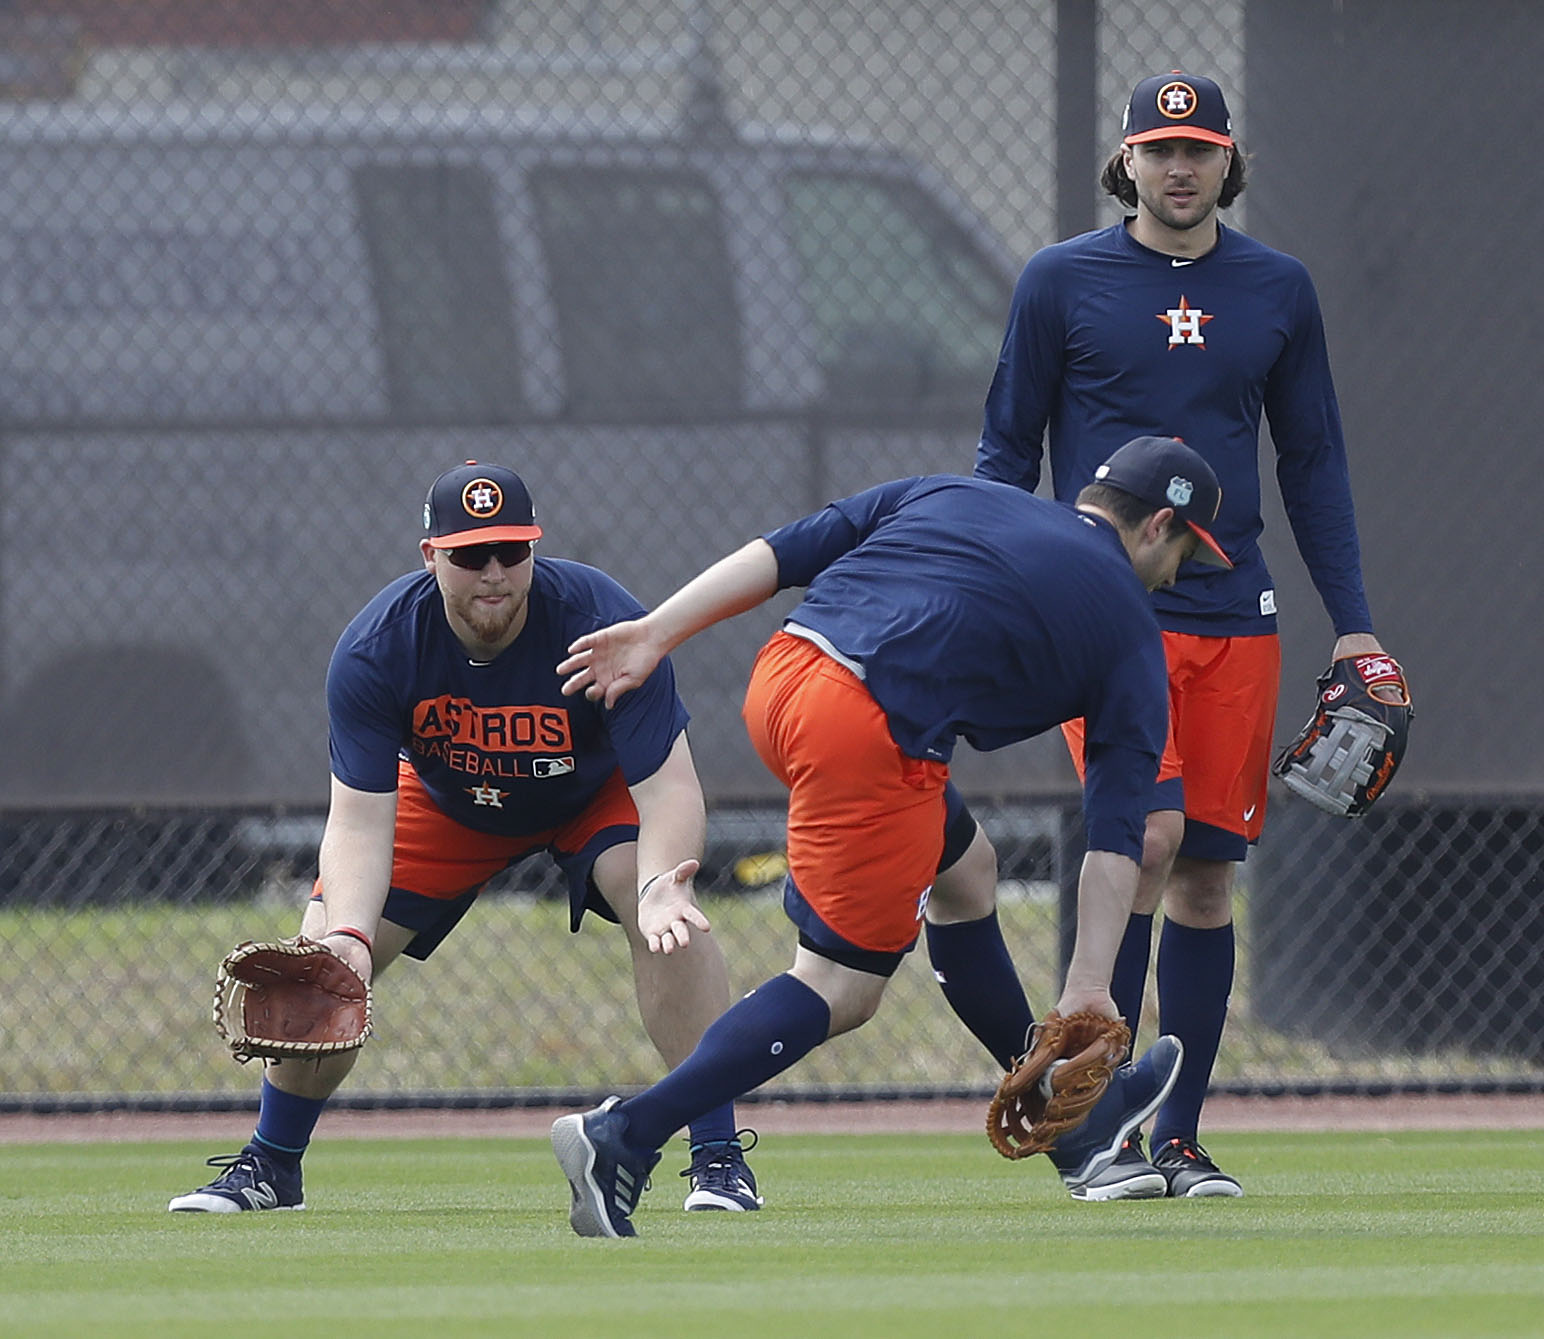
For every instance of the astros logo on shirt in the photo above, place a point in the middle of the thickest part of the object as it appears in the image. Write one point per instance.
(1185, 322)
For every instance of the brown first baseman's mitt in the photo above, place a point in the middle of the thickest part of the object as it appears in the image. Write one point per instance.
(1347, 754)
(293, 999)
(1055, 1084)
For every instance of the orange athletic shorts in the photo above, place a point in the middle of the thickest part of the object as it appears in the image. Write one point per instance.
(865, 822)
(438, 866)
(1222, 716)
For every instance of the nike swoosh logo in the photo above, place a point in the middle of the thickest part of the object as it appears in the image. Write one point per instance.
(1177, 263)
(1249, 813)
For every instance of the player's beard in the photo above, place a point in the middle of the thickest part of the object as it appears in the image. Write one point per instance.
(490, 627)
(1200, 210)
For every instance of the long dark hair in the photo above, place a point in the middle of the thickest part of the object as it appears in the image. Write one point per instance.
(1117, 183)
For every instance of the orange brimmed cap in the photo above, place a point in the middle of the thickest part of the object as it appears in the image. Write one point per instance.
(1164, 472)
(1177, 106)
(478, 504)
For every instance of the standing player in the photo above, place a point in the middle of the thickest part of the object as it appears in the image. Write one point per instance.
(455, 755)
(1169, 322)
(936, 608)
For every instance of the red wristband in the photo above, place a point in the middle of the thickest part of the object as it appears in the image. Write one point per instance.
(352, 933)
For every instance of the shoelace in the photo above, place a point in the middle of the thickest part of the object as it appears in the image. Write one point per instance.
(1192, 1152)
(717, 1164)
(245, 1161)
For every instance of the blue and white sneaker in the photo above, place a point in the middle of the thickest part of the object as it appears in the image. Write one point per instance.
(604, 1174)
(251, 1180)
(1136, 1091)
(720, 1178)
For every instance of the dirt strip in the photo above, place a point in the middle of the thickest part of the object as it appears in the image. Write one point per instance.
(1423, 1112)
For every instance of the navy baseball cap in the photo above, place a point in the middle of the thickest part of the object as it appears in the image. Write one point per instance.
(478, 504)
(1164, 472)
(1177, 106)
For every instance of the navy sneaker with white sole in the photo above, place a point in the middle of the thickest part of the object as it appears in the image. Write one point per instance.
(251, 1180)
(1136, 1091)
(720, 1176)
(605, 1176)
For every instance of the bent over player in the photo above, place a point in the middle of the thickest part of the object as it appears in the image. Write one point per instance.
(456, 755)
(1169, 322)
(936, 609)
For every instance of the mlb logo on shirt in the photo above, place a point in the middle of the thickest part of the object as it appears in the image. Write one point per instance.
(551, 766)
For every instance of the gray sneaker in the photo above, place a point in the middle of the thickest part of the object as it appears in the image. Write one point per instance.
(1130, 1177)
(1190, 1172)
(1083, 1156)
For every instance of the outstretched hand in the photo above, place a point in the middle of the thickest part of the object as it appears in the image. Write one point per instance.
(666, 912)
(611, 661)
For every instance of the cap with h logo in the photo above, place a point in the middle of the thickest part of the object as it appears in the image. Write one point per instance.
(1177, 106)
(478, 504)
(1164, 472)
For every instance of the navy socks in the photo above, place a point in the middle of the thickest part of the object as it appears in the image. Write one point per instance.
(1128, 982)
(1195, 978)
(285, 1123)
(755, 1040)
(972, 965)
(714, 1127)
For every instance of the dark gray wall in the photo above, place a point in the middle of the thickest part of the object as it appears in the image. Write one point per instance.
(1392, 149)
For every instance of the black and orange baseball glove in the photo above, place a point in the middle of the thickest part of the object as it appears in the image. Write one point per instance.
(1347, 754)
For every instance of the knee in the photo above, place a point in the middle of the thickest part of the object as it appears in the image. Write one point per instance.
(852, 1012)
(967, 890)
(1160, 841)
(852, 996)
(1200, 893)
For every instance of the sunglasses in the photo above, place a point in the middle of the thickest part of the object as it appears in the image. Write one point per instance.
(475, 557)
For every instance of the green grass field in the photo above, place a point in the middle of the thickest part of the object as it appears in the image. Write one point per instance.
(1340, 1235)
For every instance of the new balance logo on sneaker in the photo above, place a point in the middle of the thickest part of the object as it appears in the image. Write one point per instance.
(260, 1196)
(251, 1180)
(720, 1177)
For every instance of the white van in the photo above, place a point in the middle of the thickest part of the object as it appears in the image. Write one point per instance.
(238, 343)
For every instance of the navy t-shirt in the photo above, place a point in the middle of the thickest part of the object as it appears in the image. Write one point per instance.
(496, 744)
(1108, 340)
(979, 612)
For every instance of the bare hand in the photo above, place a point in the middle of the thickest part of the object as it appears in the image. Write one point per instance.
(1078, 999)
(667, 912)
(352, 952)
(611, 661)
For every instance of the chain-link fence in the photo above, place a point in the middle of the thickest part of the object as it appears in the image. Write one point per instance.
(268, 266)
